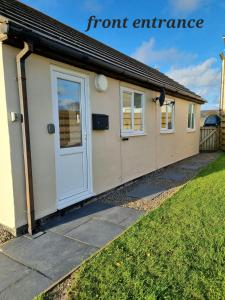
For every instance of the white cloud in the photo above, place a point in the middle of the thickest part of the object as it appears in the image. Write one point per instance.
(203, 78)
(147, 54)
(185, 6)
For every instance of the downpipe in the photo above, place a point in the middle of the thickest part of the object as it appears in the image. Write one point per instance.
(22, 87)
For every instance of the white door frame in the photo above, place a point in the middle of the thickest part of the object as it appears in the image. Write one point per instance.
(63, 204)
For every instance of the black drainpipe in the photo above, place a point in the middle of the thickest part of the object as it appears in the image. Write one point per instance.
(21, 77)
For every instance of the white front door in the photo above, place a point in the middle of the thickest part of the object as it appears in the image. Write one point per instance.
(71, 138)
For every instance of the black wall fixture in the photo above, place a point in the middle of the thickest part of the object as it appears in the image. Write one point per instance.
(100, 122)
(161, 97)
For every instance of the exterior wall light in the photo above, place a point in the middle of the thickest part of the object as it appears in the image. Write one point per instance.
(101, 83)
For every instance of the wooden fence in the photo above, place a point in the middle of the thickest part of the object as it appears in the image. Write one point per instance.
(209, 138)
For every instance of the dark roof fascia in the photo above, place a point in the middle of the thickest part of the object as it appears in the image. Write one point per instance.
(60, 52)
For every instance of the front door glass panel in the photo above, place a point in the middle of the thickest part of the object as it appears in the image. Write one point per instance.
(70, 127)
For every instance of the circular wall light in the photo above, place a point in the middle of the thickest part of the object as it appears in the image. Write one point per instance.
(101, 83)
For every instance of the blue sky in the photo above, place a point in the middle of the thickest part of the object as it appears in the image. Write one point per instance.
(191, 56)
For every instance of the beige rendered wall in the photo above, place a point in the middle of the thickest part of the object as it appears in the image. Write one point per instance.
(114, 161)
(7, 209)
(143, 154)
(181, 144)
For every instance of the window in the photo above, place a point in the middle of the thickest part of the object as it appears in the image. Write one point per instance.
(167, 117)
(132, 114)
(191, 116)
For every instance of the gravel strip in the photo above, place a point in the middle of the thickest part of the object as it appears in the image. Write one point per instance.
(60, 292)
(121, 199)
(120, 196)
(4, 235)
(145, 204)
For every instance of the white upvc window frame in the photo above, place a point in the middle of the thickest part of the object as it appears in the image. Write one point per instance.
(132, 132)
(166, 130)
(193, 116)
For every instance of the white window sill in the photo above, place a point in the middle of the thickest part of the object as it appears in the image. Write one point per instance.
(191, 130)
(167, 131)
(130, 134)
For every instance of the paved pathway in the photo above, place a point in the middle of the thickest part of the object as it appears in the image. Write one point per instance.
(28, 266)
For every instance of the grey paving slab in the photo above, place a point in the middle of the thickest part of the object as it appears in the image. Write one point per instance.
(114, 214)
(204, 157)
(132, 218)
(195, 166)
(50, 254)
(197, 162)
(26, 288)
(175, 174)
(10, 271)
(66, 223)
(96, 232)
(146, 190)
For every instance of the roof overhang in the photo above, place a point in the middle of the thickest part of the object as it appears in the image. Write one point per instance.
(4, 28)
(13, 34)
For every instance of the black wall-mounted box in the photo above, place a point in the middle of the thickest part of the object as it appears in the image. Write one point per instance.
(100, 122)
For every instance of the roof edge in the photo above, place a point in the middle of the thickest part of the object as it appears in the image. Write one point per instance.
(43, 46)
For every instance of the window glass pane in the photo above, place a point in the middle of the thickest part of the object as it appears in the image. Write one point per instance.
(69, 113)
(193, 117)
(138, 111)
(170, 116)
(163, 117)
(127, 111)
(189, 115)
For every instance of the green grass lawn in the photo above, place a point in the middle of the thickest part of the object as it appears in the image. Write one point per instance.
(174, 252)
